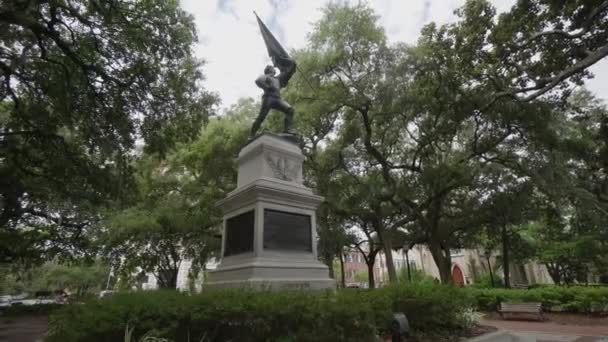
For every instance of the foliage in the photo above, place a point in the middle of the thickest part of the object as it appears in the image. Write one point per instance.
(431, 308)
(572, 299)
(416, 137)
(76, 278)
(9, 283)
(81, 82)
(488, 281)
(567, 244)
(347, 315)
(333, 236)
(174, 216)
(417, 276)
(79, 278)
(361, 276)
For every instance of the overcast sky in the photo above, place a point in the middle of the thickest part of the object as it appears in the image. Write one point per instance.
(231, 44)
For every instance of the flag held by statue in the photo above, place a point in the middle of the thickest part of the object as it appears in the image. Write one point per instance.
(277, 53)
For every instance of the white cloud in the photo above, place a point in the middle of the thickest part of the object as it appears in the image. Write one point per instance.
(231, 44)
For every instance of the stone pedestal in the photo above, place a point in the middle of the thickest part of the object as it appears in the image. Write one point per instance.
(269, 226)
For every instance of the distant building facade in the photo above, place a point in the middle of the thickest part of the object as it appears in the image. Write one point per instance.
(467, 265)
(355, 267)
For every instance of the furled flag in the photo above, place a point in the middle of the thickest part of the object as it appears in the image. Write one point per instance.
(277, 53)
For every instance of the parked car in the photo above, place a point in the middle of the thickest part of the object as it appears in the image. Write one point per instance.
(105, 294)
(5, 301)
(19, 296)
(23, 302)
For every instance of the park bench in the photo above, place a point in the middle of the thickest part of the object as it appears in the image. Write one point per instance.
(532, 309)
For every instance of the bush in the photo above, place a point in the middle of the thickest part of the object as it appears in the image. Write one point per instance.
(485, 281)
(418, 276)
(431, 308)
(239, 315)
(576, 299)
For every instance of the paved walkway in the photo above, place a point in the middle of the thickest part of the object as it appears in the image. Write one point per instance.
(22, 329)
(551, 331)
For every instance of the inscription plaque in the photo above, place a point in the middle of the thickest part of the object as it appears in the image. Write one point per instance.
(239, 234)
(287, 231)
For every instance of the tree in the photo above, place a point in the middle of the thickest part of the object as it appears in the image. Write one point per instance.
(161, 231)
(567, 240)
(369, 247)
(566, 209)
(79, 277)
(422, 125)
(80, 82)
(174, 216)
(509, 204)
(332, 238)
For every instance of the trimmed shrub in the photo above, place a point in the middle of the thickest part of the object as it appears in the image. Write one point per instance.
(576, 299)
(439, 309)
(239, 315)
(218, 316)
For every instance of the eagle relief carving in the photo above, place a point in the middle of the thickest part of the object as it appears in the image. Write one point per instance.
(282, 167)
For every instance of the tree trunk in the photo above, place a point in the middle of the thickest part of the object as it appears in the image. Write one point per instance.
(370, 275)
(505, 256)
(407, 263)
(167, 279)
(490, 270)
(554, 272)
(342, 276)
(329, 261)
(443, 260)
(331, 272)
(387, 245)
(370, 261)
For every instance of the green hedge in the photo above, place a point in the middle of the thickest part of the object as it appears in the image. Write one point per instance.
(345, 315)
(577, 299)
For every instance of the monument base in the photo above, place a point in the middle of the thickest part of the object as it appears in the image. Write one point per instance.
(284, 270)
(269, 234)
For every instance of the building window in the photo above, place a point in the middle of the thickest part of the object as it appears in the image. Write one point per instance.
(456, 251)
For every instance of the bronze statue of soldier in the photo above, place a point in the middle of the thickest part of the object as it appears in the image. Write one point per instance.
(272, 84)
(271, 99)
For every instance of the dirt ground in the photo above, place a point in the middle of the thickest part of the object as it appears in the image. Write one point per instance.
(23, 328)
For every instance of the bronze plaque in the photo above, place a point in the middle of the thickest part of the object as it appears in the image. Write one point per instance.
(239, 234)
(287, 231)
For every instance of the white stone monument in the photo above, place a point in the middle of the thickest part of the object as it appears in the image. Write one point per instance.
(269, 225)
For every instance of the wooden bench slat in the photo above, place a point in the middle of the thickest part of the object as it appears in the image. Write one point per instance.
(521, 308)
